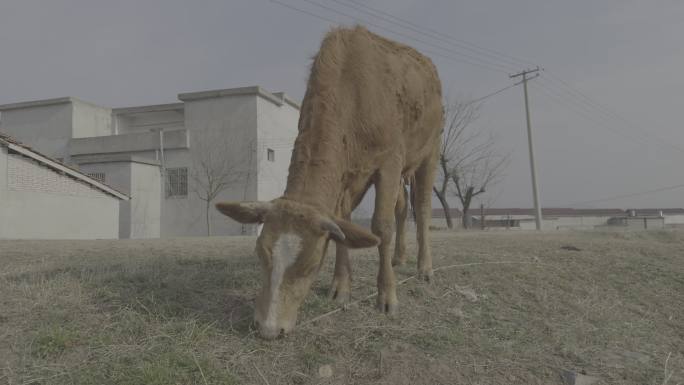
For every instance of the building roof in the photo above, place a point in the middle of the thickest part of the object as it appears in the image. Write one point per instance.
(439, 213)
(113, 158)
(561, 212)
(58, 166)
(277, 98)
(547, 212)
(150, 108)
(45, 102)
(656, 212)
(557, 212)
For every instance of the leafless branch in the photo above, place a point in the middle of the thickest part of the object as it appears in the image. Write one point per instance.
(469, 158)
(216, 166)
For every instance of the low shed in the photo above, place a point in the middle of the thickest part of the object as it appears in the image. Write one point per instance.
(41, 198)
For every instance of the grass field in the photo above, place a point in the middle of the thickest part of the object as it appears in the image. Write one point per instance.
(519, 308)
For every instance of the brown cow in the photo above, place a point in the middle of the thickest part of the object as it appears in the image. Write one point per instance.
(372, 115)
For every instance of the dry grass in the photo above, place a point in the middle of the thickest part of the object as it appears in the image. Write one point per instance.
(179, 312)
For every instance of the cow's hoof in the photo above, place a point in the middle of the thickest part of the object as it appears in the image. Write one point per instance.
(399, 261)
(387, 307)
(425, 275)
(340, 291)
(341, 297)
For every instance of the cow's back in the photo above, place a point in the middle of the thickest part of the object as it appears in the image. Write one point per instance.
(392, 94)
(369, 101)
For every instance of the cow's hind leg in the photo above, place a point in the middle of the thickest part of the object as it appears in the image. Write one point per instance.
(400, 213)
(425, 176)
(386, 191)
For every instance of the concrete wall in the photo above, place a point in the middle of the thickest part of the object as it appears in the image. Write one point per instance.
(148, 142)
(224, 127)
(145, 208)
(645, 223)
(46, 128)
(276, 130)
(674, 219)
(117, 175)
(90, 120)
(575, 223)
(527, 222)
(141, 120)
(140, 216)
(38, 203)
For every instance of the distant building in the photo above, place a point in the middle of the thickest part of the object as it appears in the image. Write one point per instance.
(41, 198)
(158, 154)
(671, 217)
(565, 218)
(650, 218)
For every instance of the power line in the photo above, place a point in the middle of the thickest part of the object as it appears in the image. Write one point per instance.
(600, 120)
(303, 11)
(588, 105)
(560, 90)
(581, 102)
(389, 18)
(408, 36)
(630, 195)
(605, 111)
(464, 58)
(585, 113)
(464, 42)
(492, 94)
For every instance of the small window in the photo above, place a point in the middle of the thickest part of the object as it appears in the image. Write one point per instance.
(177, 182)
(270, 155)
(98, 176)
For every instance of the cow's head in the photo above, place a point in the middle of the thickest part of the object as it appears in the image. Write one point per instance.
(291, 248)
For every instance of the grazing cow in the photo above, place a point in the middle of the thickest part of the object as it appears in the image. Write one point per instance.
(372, 115)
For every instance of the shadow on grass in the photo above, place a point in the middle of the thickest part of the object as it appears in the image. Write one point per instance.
(209, 290)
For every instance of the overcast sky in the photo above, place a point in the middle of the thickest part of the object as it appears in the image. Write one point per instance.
(625, 55)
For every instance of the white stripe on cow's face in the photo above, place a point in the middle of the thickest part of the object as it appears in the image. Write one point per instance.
(285, 252)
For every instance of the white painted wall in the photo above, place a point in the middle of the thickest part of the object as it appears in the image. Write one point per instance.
(118, 176)
(146, 121)
(225, 126)
(575, 223)
(38, 203)
(90, 120)
(140, 216)
(674, 219)
(145, 205)
(45, 128)
(276, 130)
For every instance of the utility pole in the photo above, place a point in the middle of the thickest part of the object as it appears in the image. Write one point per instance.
(535, 188)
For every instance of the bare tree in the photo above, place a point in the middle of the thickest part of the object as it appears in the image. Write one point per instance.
(455, 150)
(216, 166)
(482, 169)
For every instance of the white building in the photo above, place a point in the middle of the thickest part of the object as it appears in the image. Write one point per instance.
(163, 155)
(41, 198)
(554, 218)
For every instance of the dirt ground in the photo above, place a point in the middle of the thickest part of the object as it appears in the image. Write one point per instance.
(512, 308)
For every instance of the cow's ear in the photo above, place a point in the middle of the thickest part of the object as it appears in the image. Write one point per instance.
(245, 212)
(349, 234)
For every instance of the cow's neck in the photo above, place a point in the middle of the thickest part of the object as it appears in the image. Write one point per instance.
(318, 164)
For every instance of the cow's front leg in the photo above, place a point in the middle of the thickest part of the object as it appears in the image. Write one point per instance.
(386, 190)
(340, 289)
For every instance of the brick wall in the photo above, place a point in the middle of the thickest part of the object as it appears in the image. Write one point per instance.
(25, 174)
